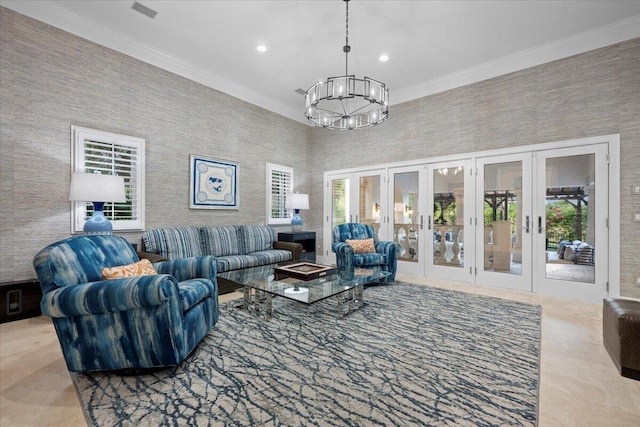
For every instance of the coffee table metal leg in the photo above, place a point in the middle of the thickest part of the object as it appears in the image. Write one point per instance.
(359, 292)
(246, 297)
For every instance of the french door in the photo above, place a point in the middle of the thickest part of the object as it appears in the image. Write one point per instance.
(504, 221)
(406, 218)
(571, 222)
(534, 220)
(449, 237)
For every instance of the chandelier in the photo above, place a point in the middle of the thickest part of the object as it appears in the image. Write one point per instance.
(345, 102)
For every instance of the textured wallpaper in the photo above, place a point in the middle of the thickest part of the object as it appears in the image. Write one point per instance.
(592, 94)
(50, 79)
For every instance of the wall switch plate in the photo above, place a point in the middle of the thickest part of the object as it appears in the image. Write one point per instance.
(635, 216)
(635, 189)
(637, 280)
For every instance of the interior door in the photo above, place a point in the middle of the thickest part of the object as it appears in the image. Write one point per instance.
(450, 236)
(504, 221)
(571, 222)
(406, 220)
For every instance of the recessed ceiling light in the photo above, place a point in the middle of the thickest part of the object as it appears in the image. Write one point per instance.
(261, 48)
(383, 58)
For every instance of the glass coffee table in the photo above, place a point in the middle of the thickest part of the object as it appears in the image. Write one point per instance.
(259, 287)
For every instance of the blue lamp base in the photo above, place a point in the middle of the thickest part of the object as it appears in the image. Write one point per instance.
(98, 223)
(296, 221)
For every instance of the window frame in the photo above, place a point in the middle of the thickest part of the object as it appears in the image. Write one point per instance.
(282, 194)
(136, 190)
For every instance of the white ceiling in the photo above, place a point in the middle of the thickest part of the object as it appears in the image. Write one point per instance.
(432, 45)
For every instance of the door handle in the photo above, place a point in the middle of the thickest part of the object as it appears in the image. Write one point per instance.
(428, 222)
(421, 222)
(526, 227)
(540, 225)
(356, 218)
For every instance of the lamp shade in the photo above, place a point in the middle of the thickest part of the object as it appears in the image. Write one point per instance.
(95, 187)
(298, 201)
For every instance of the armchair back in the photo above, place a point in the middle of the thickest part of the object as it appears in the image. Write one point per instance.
(353, 231)
(80, 260)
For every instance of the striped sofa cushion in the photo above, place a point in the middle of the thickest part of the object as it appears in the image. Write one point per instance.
(235, 262)
(220, 241)
(256, 238)
(182, 242)
(154, 242)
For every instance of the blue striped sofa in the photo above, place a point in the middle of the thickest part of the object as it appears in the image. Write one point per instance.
(126, 323)
(233, 246)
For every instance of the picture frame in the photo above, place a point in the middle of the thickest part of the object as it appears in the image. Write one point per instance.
(214, 183)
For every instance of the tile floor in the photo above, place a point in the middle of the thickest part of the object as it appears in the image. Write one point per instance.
(579, 385)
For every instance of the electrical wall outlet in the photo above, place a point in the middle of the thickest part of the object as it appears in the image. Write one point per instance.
(637, 279)
(635, 189)
(635, 216)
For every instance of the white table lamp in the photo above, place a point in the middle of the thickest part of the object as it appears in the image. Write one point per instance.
(98, 189)
(296, 202)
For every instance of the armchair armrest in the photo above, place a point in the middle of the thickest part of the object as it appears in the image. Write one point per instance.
(294, 248)
(109, 296)
(387, 248)
(344, 256)
(189, 268)
(342, 249)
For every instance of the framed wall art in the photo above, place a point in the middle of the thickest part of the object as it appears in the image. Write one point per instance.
(214, 183)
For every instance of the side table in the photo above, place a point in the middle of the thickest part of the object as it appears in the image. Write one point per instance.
(308, 241)
(19, 300)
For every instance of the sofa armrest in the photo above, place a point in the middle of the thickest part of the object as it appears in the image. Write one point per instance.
(151, 257)
(294, 248)
(110, 296)
(189, 268)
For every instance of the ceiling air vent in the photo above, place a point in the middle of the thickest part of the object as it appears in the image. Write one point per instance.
(138, 7)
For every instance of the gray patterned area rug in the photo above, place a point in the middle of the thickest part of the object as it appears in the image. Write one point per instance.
(414, 355)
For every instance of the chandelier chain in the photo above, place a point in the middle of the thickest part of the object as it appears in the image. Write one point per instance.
(347, 48)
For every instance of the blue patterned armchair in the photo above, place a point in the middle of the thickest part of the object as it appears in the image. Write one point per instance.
(125, 323)
(384, 258)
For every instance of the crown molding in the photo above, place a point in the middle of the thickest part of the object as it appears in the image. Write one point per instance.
(52, 14)
(617, 32)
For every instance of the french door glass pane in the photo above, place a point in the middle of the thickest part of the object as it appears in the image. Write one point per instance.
(569, 222)
(448, 217)
(369, 202)
(405, 215)
(339, 201)
(503, 217)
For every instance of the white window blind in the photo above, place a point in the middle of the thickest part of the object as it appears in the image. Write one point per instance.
(110, 154)
(279, 184)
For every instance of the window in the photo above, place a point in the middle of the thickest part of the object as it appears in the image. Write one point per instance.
(111, 154)
(279, 184)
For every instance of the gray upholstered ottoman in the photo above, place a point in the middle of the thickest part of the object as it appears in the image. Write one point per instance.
(621, 334)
